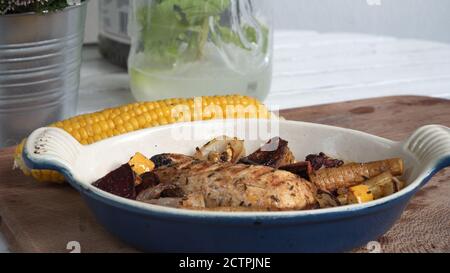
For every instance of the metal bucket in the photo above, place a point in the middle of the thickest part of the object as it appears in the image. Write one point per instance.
(40, 57)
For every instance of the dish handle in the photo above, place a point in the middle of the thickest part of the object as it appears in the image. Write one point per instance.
(51, 149)
(431, 146)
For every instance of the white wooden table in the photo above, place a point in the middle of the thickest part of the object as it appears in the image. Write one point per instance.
(312, 68)
(309, 68)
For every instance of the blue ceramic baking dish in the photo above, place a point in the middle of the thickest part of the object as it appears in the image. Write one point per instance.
(154, 228)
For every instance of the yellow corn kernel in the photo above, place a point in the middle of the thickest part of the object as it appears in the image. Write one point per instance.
(90, 128)
(140, 164)
(359, 194)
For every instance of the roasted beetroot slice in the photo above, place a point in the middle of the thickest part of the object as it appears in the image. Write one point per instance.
(119, 182)
(149, 179)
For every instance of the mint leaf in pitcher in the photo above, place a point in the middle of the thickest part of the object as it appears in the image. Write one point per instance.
(174, 31)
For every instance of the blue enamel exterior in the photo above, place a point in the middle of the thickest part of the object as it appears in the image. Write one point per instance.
(336, 232)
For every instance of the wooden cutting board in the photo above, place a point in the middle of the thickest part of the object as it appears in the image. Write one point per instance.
(38, 217)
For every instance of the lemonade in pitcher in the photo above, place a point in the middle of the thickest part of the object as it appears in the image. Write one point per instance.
(186, 48)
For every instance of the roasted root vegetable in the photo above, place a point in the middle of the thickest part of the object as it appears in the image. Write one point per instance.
(359, 194)
(321, 159)
(146, 180)
(156, 191)
(119, 182)
(93, 127)
(343, 198)
(303, 169)
(221, 149)
(381, 185)
(274, 153)
(215, 179)
(399, 184)
(331, 179)
(140, 164)
(326, 199)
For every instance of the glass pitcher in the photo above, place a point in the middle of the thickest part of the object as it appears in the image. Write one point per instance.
(187, 48)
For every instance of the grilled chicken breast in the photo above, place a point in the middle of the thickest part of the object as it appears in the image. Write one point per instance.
(209, 185)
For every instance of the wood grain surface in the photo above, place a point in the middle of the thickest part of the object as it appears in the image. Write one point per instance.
(36, 217)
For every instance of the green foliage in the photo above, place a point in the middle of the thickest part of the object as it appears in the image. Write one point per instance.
(177, 30)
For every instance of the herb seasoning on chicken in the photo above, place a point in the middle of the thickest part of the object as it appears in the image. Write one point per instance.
(209, 185)
(219, 177)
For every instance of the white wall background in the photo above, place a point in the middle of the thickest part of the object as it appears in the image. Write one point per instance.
(422, 19)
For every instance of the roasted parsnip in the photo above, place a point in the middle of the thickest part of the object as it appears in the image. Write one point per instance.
(331, 179)
(381, 185)
(377, 187)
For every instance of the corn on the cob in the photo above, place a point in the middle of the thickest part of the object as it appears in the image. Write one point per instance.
(90, 128)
